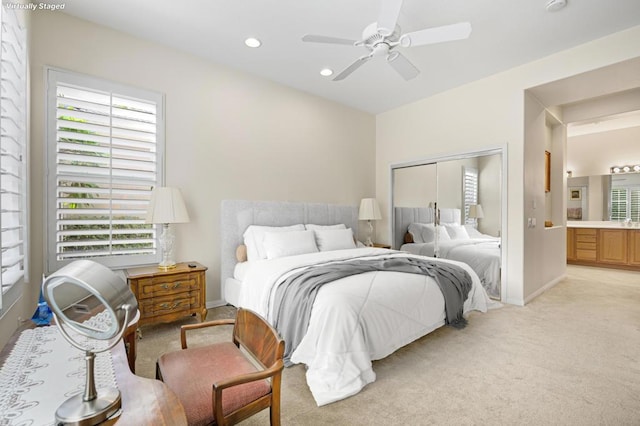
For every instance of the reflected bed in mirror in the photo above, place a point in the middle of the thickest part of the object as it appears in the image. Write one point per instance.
(417, 233)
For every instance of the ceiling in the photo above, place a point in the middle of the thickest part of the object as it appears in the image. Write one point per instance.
(604, 124)
(506, 33)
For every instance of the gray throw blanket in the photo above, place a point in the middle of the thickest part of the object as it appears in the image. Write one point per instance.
(295, 295)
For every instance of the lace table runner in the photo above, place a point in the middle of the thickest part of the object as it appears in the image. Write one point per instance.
(42, 371)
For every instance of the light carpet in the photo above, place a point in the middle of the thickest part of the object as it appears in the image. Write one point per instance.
(570, 357)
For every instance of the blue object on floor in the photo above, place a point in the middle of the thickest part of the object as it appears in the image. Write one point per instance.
(43, 314)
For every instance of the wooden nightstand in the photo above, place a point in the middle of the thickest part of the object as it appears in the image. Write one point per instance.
(387, 246)
(166, 295)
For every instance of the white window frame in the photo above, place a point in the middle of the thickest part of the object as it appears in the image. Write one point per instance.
(15, 238)
(467, 201)
(54, 76)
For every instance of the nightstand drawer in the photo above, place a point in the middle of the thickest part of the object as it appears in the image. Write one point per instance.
(166, 285)
(178, 303)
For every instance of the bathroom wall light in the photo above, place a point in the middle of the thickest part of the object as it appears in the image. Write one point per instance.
(625, 169)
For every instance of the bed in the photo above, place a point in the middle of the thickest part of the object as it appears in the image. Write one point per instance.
(414, 232)
(354, 319)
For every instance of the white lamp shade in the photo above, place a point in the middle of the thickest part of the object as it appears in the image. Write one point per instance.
(166, 206)
(475, 211)
(369, 209)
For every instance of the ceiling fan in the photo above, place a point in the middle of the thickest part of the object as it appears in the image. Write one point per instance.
(384, 36)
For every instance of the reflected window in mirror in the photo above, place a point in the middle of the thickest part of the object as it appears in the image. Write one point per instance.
(469, 192)
(625, 198)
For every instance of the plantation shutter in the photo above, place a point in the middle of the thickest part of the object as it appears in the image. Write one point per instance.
(618, 204)
(105, 151)
(13, 147)
(634, 204)
(469, 191)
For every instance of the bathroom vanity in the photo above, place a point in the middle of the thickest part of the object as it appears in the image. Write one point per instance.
(605, 244)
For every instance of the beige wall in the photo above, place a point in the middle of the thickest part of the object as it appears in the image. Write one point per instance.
(229, 134)
(487, 113)
(594, 154)
(490, 194)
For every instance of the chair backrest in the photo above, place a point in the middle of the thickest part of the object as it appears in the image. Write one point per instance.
(257, 337)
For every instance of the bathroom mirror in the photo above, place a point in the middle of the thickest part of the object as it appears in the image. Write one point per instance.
(609, 197)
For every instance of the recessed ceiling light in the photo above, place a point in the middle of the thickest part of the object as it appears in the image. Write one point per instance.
(326, 72)
(252, 42)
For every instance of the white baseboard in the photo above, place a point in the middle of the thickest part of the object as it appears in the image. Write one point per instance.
(544, 288)
(215, 303)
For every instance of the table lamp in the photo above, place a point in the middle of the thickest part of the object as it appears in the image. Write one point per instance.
(166, 207)
(369, 211)
(475, 213)
(89, 299)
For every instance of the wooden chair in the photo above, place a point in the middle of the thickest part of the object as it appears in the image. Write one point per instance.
(218, 384)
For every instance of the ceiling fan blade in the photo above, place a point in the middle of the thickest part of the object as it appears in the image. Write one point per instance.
(325, 39)
(388, 16)
(351, 68)
(402, 65)
(436, 35)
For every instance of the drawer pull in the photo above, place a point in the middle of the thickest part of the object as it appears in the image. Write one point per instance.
(173, 287)
(166, 305)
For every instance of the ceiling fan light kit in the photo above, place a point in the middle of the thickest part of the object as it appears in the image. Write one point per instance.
(555, 5)
(383, 36)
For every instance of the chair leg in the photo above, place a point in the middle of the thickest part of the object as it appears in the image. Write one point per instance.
(158, 373)
(274, 412)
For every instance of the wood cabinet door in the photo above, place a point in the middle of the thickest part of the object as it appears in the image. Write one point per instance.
(571, 244)
(613, 246)
(634, 248)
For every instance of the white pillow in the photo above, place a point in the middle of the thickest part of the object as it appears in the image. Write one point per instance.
(457, 232)
(254, 239)
(334, 239)
(442, 233)
(314, 227)
(426, 232)
(473, 232)
(281, 244)
(422, 232)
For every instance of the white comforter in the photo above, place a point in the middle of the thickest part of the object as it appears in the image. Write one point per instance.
(356, 319)
(482, 254)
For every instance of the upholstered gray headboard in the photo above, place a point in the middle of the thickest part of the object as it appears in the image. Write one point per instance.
(405, 216)
(237, 215)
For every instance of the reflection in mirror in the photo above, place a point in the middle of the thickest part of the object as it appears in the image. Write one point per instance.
(80, 307)
(604, 198)
(452, 186)
(415, 186)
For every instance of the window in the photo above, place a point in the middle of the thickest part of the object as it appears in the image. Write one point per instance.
(469, 191)
(625, 203)
(13, 147)
(105, 149)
